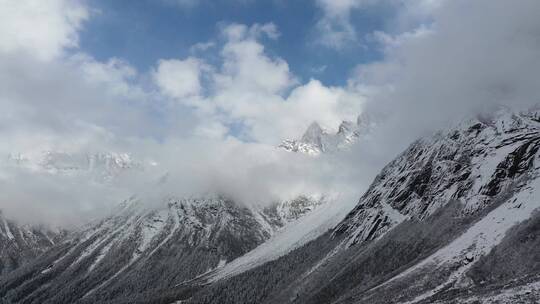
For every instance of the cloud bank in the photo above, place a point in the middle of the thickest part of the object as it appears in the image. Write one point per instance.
(469, 58)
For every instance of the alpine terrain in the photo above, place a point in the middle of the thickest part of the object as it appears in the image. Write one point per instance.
(270, 152)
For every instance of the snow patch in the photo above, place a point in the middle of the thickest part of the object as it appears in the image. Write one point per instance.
(8, 233)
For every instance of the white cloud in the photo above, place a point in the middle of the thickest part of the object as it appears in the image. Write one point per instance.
(179, 78)
(202, 46)
(214, 130)
(41, 28)
(116, 74)
(236, 32)
(467, 58)
(248, 67)
(335, 28)
(259, 92)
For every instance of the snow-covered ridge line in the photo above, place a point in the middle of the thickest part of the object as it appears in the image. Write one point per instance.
(471, 162)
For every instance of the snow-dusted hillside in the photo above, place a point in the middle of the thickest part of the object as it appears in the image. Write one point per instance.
(472, 162)
(22, 243)
(141, 247)
(293, 235)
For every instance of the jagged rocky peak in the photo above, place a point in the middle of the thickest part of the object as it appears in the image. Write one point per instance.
(311, 143)
(317, 140)
(313, 134)
(346, 127)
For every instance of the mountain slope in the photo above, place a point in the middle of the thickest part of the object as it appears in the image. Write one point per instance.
(290, 237)
(21, 243)
(139, 249)
(435, 226)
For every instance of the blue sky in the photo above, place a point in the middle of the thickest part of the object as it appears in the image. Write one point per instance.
(143, 31)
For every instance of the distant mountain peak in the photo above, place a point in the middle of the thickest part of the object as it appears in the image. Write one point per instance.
(101, 166)
(317, 140)
(346, 127)
(313, 134)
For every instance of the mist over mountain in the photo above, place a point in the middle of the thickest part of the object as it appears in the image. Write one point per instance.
(269, 152)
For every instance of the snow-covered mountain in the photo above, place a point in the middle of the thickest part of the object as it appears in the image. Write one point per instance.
(21, 243)
(453, 219)
(317, 140)
(489, 166)
(140, 248)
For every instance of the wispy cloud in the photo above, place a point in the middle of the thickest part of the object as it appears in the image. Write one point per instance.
(42, 29)
(335, 28)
